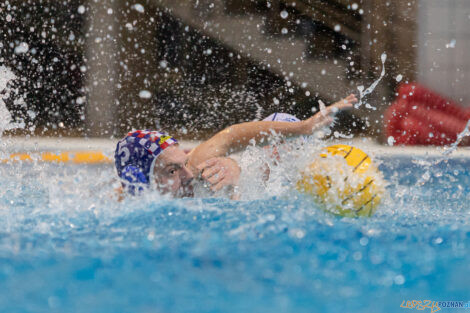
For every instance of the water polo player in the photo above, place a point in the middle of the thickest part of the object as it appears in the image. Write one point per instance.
(153, 160)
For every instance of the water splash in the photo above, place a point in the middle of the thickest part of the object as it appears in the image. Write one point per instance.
(273, 171)
(322, 107)
(371, 88)
(60, 223)
(6, 76)
(259, 111)
(466, 132)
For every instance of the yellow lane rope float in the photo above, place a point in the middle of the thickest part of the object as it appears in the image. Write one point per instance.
(77, 157)
(344, 181)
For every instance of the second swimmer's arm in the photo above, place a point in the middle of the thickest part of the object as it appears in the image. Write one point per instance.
(238, 136)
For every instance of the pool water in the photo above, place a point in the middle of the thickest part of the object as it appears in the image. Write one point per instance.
(67, 246)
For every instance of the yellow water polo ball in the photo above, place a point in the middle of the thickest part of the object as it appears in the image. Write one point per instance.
(344, 181)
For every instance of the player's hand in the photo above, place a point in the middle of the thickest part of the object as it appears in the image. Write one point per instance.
(345, 103)
(220, 172)
(326, 115)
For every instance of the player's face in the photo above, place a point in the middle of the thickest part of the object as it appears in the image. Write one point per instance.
(172, 174)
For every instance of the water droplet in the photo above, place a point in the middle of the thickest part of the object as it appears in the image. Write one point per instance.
(399, 280)
(22, 48)
(337, 28)
(284, 14)
(138, 7)
(145, 94)
(399, 78)
(81, 9)
(53, 302)
(451, 44)
(31, 114)
(390, 140)
(80, 100)
(383, 57)
(357, 256)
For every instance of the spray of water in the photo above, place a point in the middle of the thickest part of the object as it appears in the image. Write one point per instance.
(371, 88)
(274, 170)
(466, 132)
(6, 76)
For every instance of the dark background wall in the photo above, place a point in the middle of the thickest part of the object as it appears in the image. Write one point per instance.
(165, 70)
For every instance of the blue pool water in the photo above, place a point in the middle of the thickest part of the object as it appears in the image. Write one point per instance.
(66, 246)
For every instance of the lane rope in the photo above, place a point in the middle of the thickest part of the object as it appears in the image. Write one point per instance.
(76, 157)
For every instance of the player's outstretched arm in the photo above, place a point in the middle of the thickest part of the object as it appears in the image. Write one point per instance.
(239, 136)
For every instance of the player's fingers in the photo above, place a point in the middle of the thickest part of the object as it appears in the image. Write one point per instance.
(210, 171)
(218, 186)
(351, 98)
(206, 164)
(216, 178)
(345, 100)
(327, 120)
(341, 105)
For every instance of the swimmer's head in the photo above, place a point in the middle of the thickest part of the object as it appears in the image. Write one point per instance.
(146, 159)
(172, 173)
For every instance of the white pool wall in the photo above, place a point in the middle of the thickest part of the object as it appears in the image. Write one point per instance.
(443, 45)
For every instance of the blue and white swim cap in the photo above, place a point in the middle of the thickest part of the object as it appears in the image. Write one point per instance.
(281, 117)
(135, 157)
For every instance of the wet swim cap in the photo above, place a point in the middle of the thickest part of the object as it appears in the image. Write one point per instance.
(281, 117)
(135, 157)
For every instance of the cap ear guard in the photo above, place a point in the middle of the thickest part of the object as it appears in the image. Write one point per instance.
(133, 179)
